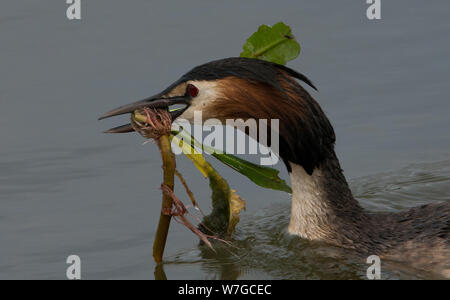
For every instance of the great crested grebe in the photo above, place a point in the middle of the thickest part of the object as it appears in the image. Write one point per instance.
(323, 207)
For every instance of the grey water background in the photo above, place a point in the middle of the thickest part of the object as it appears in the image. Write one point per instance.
(66, 188)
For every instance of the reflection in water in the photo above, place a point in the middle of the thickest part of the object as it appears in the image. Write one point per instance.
(265, 250)
(159, 273)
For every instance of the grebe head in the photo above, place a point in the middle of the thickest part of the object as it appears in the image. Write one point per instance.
(244, 88)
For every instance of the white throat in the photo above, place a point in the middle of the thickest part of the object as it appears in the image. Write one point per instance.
(310, 212)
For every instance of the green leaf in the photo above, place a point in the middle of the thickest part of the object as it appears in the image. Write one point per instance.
(263, 176)
(275, 44)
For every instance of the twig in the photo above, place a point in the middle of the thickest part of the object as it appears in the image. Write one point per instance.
(158, 126)
(164, 219)
(179, 213)
(189, 192)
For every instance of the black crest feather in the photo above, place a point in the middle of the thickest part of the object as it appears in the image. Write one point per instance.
(245, 68)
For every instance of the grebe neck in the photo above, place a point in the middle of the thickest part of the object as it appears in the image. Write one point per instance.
(323, 207)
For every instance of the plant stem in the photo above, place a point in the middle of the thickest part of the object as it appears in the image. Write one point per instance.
(165, 217)
(159, 272)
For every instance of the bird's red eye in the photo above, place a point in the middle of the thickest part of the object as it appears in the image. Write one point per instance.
(192, 90)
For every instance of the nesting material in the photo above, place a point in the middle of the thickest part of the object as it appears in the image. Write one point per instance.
(158, 122)
(180, 213)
